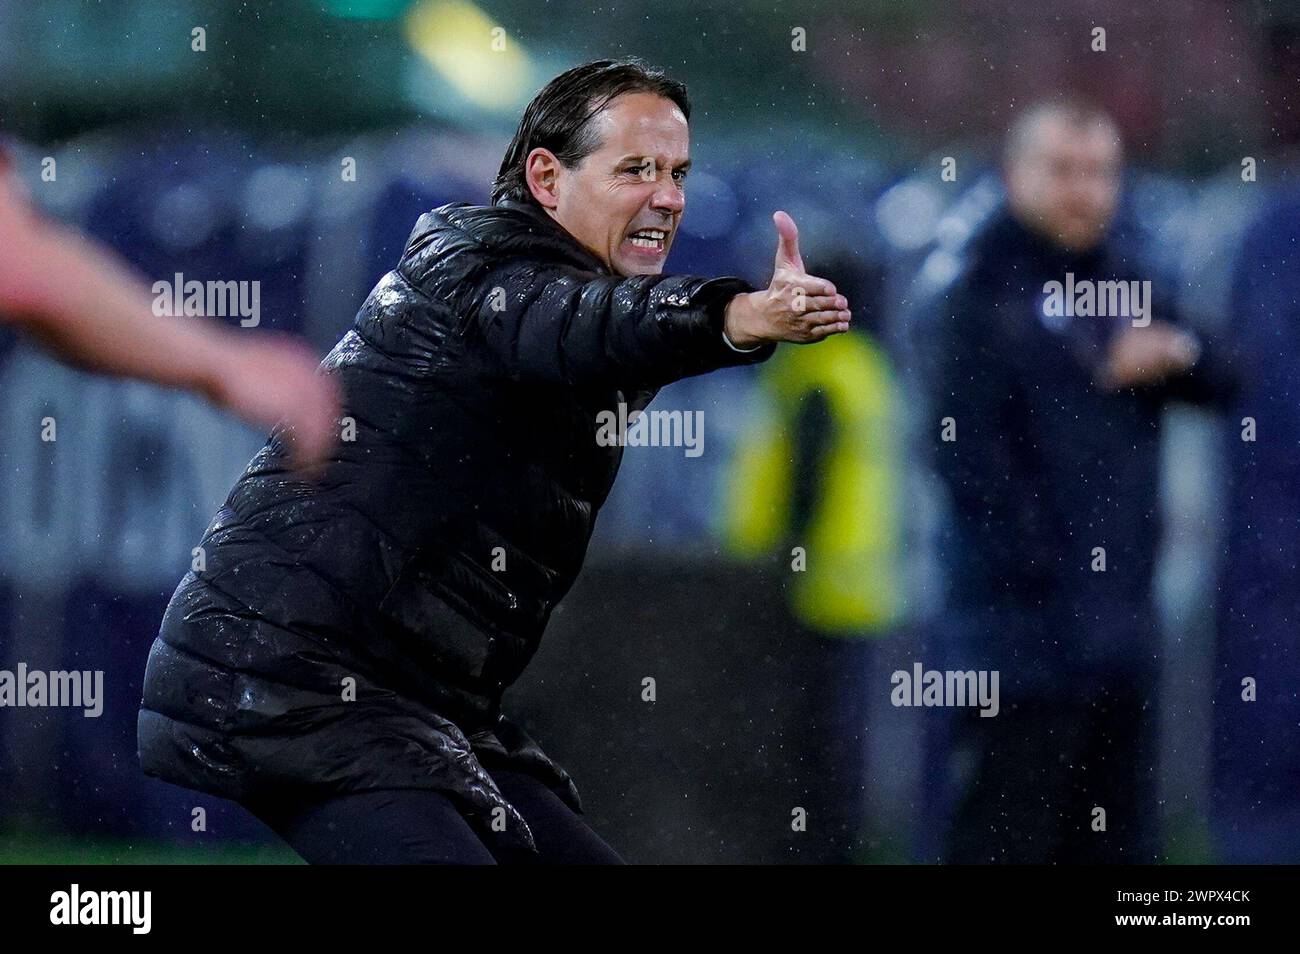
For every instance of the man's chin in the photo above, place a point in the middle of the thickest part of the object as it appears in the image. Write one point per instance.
(630, 269)
(1082, 240)
(1077, 237)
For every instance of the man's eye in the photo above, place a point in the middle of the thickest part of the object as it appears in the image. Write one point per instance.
(679, 175)
(639, 171)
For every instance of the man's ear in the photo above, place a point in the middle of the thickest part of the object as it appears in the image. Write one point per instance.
(542, 172)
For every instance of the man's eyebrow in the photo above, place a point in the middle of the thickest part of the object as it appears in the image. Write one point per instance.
(641, 157)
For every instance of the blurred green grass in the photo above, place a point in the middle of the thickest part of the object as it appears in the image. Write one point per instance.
(1187, 842)
(25, 848)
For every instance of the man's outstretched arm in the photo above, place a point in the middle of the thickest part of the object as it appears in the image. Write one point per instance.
(558, 326)
(83, 305)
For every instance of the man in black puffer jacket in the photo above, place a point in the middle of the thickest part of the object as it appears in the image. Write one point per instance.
(336, 658)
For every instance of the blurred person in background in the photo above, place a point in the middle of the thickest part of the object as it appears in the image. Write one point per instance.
(1044, 426)
(78, 301)
(339, 665)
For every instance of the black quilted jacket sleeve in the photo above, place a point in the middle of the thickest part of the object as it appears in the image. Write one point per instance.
(545, 311)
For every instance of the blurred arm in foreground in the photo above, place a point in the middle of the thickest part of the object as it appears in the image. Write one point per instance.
(83, 305)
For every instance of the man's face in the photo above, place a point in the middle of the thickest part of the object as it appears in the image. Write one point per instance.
(623, 201)
(1065, 182)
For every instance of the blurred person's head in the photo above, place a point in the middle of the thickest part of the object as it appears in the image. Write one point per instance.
(603, 149)
(1062, 165)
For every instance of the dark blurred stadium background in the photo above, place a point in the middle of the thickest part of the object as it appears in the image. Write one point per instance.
(226, 164)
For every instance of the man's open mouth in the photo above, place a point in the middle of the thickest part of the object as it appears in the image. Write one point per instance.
(649, 239)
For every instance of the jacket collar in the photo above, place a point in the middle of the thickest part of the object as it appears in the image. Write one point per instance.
(1013, 239)
(553, 228)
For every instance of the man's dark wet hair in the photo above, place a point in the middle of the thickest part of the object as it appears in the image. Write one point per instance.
(559, 117)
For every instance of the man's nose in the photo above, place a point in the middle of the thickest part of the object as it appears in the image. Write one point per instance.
(1081, 194)
(668, 197)
(1090, 198)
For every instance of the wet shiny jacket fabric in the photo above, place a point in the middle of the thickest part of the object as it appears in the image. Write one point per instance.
(358, 632)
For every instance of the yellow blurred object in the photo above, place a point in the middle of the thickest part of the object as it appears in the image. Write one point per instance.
(851, 585)
(470, 51)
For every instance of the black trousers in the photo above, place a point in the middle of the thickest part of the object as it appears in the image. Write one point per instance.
(424, 827)
(1034, 775)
